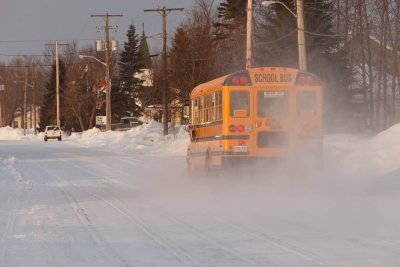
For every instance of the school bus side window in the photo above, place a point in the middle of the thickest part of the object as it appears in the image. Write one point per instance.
(239, 104)
(195, 110)
(207, 107)
(212, 107)
(218, 105)
(201, 109)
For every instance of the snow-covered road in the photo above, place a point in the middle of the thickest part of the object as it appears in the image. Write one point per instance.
(64, 204)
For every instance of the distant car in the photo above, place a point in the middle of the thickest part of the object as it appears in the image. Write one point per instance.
(126, 124)
(52, 132)
(131, 121)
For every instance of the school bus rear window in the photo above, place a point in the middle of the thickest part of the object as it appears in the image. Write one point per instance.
(239, 104)
(306, 103)
(272, 103)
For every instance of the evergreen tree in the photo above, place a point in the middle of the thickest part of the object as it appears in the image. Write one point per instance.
(127, 89)
(230, 32)
(275, 42)
(150, 94)
(144, 51)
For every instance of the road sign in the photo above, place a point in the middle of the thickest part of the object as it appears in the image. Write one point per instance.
(100, 120)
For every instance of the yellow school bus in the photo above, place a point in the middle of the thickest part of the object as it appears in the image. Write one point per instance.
(258, 113)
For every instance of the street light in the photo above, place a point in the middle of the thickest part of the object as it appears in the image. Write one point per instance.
(300, 29)
(98, 60)
(108, 90)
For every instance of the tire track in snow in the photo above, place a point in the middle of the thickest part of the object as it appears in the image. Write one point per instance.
(134, 218)
(7, 171)
(140, 222)
(104, 247)
(8, 228)
(278, 243)
(256, 234)
(285, 245)
(180, 256)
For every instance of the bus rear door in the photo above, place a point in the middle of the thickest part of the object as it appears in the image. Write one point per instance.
(271, 121)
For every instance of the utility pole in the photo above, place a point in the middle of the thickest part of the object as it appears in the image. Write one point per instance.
(56, 44)
(249, 32)
(1, 111)
(34, 100)
(24, 118)
(107, 63)
(34, 107)
(164, 12)
(300, 36)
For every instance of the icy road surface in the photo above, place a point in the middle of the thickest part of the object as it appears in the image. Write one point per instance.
(66, 205)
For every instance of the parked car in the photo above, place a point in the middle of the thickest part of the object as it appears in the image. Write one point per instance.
(52, 132)
(126, 124)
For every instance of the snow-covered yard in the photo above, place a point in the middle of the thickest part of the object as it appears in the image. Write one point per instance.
(124, 199)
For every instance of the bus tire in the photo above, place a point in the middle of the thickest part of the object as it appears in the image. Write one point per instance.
(189, 164)
(207, 162)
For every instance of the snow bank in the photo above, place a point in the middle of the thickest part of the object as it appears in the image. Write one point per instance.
(8, 133)
(366, 157)
(147, 137)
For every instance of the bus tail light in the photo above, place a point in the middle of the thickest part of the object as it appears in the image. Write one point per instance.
(306, 79)
(232, 128)
(242, 142)
(243, 80)
(309, 128)
(237, 128)
(239, 78)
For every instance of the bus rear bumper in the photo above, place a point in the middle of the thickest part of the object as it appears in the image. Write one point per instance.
(245, 162)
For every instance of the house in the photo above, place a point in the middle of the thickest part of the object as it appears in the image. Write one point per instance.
(32, 118)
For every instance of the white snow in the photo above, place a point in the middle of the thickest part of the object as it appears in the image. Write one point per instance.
(124, 199)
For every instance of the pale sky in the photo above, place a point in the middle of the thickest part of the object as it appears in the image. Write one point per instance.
(27, 25)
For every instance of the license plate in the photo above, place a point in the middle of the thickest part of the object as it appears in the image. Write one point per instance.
(240, 148)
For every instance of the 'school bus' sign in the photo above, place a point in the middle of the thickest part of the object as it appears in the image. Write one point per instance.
(278, 77)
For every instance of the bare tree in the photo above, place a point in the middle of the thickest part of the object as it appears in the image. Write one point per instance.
(84, 78)
(193, 51)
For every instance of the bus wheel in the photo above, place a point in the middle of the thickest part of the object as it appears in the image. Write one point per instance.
(207, 163)
(189, 164)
